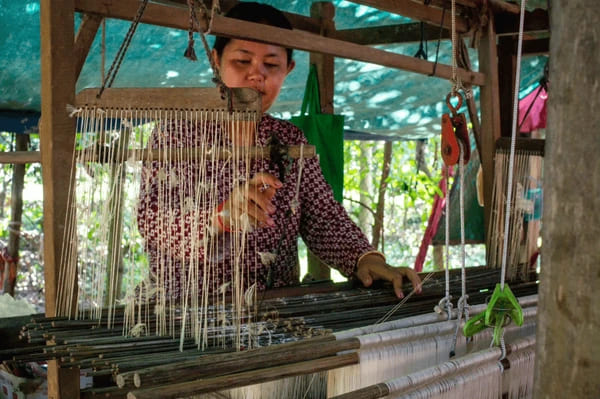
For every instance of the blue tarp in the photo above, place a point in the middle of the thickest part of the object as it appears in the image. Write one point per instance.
(374, 99)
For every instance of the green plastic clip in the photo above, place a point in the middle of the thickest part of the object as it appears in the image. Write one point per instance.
(502, 308)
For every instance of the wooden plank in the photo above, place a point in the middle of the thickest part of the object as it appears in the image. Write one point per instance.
(56, 143)
(192, 98)
(535, 21)
(19, 157)
(536, 46)
(57, 132)
(314, 43)
(155, 14)
(177, 18)
(244, 378)
(507, 69)
(490, 116)
(417, 11)
(503, 6)
(324, 12)
(464, 61)
(170, 14)
(523, 144)
(390, 34)
(84, 39)
(298, 21)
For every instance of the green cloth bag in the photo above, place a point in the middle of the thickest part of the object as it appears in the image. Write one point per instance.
(325, 132)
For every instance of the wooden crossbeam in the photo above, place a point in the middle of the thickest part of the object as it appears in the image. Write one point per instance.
(154, 14)
(418, 11)
(390, 34)
(19, 157)
(176, 17)
(84, 39)
(535, 21)
(314, 43)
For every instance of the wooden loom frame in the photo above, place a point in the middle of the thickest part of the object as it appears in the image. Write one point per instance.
(63, 54)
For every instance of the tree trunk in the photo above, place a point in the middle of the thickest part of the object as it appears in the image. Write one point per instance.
(365, 218)
(568, 343)
(379, 215)
(16, 211)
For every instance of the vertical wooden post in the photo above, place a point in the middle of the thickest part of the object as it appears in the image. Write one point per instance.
(568, 343)
(325, 11)
(16, 211)
(57, 133)
(507, 69)
(490, 115)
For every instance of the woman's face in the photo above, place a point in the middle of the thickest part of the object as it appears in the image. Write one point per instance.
(257, 65)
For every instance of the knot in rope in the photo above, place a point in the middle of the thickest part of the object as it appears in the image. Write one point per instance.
(444, 305)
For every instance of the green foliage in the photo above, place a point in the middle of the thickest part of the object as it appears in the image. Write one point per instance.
(409, 196)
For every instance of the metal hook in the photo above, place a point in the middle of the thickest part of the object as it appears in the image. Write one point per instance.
(449, 104)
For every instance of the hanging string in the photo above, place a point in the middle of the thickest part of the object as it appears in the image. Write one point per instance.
(422, 51)
(512, 146)
(456, 80)
(116, 64)
(225, 91)
(437, 50)
(445, 303)
(462, 305)
(461, 166)
(190, 53)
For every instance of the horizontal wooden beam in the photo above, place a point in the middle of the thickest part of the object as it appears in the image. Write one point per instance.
(306, 41)
(170, 14)
(177, 17)
(190, 98)
(417, 11)
(536, 46)
(20, 157)
(535, 21)
(500, 5)
(522, 144)
(497, 5)
(154, 14)
(390, 34)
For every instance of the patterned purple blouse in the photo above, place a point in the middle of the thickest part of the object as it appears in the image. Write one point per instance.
(320, 220)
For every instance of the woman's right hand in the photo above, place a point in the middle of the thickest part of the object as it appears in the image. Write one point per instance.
(250, 203)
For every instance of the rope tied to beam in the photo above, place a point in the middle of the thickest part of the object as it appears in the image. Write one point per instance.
(116, 64)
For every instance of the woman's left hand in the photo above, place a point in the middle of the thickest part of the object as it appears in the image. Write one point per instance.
(373, 267)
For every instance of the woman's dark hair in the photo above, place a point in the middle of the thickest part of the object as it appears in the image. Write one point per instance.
(255, 12)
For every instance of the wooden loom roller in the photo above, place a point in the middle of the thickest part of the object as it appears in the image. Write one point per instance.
(132, 365)
(158, 102)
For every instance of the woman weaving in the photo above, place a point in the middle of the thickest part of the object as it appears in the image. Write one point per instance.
(265, 199)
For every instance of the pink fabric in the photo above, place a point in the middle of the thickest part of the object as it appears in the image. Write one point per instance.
(321, 221)
(536, 119)
(432, 224)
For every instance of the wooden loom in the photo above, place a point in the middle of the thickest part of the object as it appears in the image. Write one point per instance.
(297, 339)
(54, 121)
